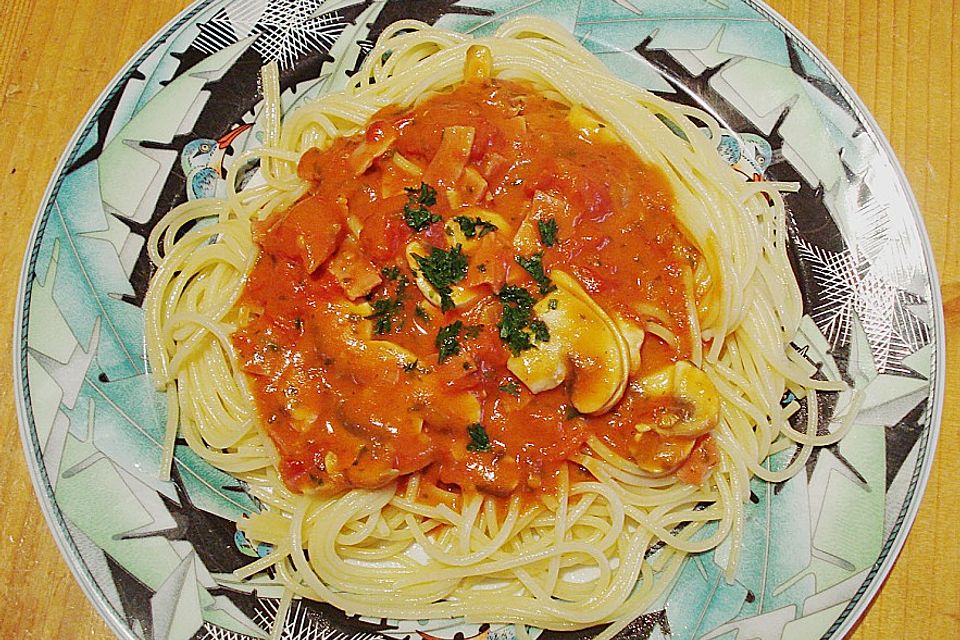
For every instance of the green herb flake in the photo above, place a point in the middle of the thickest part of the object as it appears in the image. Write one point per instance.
(422, 313)
(386, 310)
(548, 231)
(515, 321)
(383, 311)
(443, 269)
(512, 329)
(415, 212)
(402, 283)
(516, 295)
(410, 367)
(552, 305)
(448, 341)
(511, 388)
(479, 440)
(390, 273)
(540, 331)
(534, 266)
(474, 227)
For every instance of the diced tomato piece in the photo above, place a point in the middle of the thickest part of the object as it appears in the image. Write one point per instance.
(310, 231)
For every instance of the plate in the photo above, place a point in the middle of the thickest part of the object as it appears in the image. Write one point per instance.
(156, 557)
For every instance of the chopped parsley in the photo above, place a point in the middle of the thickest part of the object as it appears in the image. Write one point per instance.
(390, 273)
(548, 231)
(517, 329)
(422, 313)
(534, 266)
(415, 212)
(442, 269)
(513, 326)
(512, 294)
(552, 304)
(385, 310)
(448, 340)
(474, 227)
(410, 367)
(479, 440)
(540, 331)
(511, 388)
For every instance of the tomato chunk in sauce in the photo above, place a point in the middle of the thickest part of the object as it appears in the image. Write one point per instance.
(370, 360)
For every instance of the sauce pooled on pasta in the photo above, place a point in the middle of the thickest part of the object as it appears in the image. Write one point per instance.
(467, 291)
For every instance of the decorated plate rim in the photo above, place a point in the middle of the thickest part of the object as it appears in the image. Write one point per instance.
(893, 543)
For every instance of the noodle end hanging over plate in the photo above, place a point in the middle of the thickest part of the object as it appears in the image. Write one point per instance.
(479, 321)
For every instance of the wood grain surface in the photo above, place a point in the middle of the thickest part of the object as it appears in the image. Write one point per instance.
(902, 57)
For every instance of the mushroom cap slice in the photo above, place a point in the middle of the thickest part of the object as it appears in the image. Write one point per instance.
(690, 401)
(461, 296)
(659, 455)
(585, 349)
(634, 336)
(391, 351)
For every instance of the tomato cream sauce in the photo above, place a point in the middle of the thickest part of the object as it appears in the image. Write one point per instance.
(332, 290)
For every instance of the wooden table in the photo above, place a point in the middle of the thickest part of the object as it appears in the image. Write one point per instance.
(903, 58)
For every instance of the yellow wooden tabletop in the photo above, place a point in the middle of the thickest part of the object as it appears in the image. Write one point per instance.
(902, 57)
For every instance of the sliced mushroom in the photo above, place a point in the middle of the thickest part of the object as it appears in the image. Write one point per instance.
(658, 455)
(447, 410)
(585, 348)
(392, 352)
(685, 400)
(633, 335)
(461, 296)
(362, 309)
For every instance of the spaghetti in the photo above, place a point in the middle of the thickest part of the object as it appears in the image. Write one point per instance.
(481, 405)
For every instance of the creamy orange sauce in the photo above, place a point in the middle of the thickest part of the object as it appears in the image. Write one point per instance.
(341, 413)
